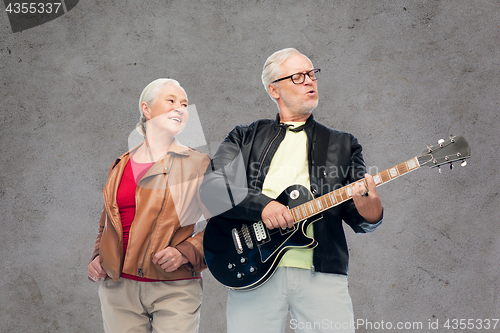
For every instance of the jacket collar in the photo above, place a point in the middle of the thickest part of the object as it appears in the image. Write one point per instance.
(309, 122)
(175, 148)
(158, 168)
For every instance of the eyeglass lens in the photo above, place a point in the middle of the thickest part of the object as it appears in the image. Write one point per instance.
(301, 77)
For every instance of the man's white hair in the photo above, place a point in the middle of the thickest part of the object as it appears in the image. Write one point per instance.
(148, 95)
(271, 71)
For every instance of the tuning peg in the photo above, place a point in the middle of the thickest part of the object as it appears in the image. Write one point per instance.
(452, 138)
(439, 168)
(440, 142)
(464, 163)
(451, 166)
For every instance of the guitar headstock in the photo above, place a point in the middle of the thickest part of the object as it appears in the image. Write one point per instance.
(456, 148)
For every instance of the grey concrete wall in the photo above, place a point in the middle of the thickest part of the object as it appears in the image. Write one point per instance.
(397, 74)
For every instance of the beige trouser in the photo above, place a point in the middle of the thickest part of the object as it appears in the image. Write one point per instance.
(159, 307)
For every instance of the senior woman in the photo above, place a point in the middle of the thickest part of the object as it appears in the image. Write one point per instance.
(145, 248)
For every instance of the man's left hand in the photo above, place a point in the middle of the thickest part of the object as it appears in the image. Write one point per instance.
(169, 259)
(367, 200)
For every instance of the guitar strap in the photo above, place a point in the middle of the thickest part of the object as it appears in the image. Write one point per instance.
(226, 180)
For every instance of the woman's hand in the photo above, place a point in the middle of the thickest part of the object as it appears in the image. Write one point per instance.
(169, 259)
(95, 270)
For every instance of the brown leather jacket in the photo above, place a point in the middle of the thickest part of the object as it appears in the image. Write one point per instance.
(167, 207)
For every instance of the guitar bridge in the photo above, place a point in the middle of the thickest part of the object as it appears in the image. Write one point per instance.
(246, 235)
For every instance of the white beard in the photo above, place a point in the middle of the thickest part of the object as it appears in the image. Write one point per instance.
(299, 108)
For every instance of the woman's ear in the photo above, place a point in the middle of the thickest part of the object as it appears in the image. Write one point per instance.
(145, 110)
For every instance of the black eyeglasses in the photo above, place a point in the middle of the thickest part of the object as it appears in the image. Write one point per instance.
(299, 78)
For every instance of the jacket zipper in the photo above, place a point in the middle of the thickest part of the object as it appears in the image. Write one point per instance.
(264, 157)
(106, 206)
(141, 271)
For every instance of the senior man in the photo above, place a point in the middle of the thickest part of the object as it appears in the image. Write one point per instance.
(254, 164)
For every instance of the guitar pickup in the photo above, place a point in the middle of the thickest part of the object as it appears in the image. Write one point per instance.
(237, 241)
(260, 231)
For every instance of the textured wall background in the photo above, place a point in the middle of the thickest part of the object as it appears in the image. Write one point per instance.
(397, 74)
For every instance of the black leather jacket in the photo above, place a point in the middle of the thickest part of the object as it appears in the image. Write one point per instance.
(232, 186)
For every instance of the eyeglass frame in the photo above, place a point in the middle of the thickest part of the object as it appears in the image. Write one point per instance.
(304, 76)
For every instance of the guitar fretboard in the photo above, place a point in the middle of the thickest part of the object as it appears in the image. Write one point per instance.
(343, 194)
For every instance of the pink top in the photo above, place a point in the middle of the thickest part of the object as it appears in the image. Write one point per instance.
(125, 198)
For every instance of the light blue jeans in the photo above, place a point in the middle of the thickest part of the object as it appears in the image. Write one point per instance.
(317, 303)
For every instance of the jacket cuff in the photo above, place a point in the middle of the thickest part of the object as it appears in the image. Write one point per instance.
(194, 257)
(94, 255)
(370, 227)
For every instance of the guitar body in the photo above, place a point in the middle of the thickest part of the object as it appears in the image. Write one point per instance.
(244, 254)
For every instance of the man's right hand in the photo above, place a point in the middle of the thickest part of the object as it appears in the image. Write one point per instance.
(276, 215)
(95, 270)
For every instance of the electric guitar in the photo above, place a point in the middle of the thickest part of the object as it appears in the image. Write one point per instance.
(243, 255)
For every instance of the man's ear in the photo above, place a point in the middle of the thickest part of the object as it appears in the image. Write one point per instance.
(273, 91)
(145, 110)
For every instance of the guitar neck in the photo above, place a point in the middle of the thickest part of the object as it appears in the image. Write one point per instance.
(344, 194)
